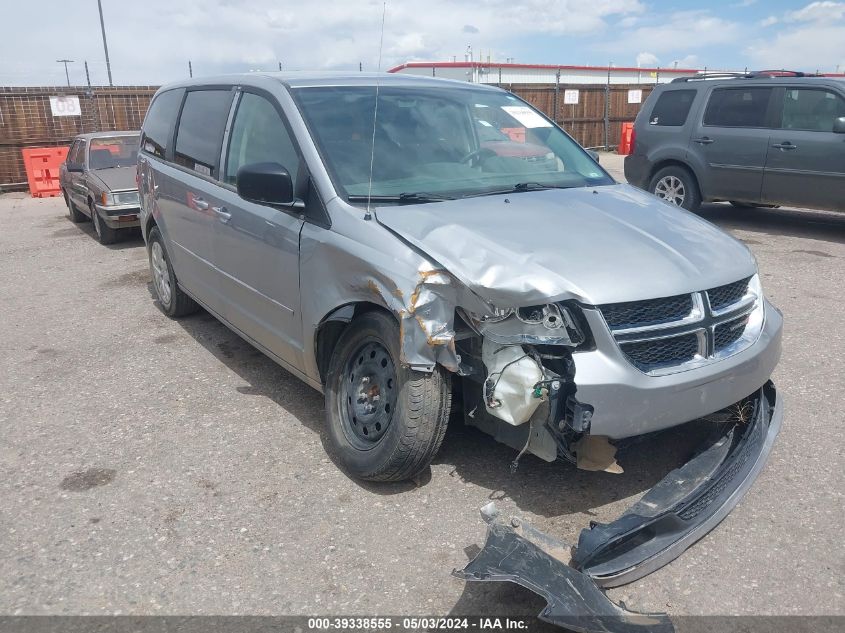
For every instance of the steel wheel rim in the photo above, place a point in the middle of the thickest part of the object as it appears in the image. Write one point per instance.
(96, 217)
(161, 274)
(671, 189)
(369, 395)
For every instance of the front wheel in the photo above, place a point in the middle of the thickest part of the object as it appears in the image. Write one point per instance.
(677, 186)
(105, 234)
(386, 422)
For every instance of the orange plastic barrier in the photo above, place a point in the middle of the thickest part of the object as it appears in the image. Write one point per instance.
(625, 139)
(42, 169)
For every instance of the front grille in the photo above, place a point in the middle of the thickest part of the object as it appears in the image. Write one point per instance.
(644, 313)
(727, 295)
(648, 355)
(729, 332)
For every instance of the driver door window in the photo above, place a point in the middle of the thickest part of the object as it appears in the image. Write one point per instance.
(259, 136)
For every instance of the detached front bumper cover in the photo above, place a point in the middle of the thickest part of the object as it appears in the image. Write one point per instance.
(680, 509)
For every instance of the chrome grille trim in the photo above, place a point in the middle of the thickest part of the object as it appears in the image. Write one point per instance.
(708, 325)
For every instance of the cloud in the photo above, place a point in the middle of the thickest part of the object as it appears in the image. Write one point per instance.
(769, 21)
(152, 41)
(744, 3)
(675, 34)
(647, 59)
(807, 47)
(817, 12)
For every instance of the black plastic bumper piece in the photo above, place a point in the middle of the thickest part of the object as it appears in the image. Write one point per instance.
(573, 600)
(687, 503)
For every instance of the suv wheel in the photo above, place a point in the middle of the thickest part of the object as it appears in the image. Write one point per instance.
(171, 299)
(105, 234)
(677, 186)
(385, 421)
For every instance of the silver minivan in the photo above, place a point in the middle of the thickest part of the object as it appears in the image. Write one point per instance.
(360, 231)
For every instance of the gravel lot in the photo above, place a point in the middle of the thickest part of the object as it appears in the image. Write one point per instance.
(153, 466)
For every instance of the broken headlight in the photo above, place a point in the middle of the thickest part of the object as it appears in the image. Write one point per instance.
(549, 324)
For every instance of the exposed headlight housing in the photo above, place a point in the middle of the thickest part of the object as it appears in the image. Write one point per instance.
(119, 198)
(549, 324)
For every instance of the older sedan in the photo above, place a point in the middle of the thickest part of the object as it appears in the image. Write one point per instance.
(98, 181)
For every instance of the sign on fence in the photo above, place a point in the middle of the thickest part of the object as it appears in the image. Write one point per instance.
(65, 106)
(570, 96)
(635, 96)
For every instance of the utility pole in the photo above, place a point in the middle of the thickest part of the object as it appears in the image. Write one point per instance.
(65, 62)
(280, 66)
(190, 69)
(105, 45)
(87, 74)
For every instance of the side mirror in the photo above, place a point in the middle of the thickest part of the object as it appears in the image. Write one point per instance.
(267, 183)
(73, 167)
(839, 125)
(595, 155)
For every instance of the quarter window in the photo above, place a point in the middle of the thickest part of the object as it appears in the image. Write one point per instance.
(200, 131)
(76, 154)
(159, 122)
(814, 110)
(672, 108)
(259, 136)
(738, 107)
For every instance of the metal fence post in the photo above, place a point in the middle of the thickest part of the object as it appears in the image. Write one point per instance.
(607, 111)
(557, 94)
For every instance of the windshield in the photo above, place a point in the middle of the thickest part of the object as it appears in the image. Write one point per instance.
(113, 151)
(436, 143)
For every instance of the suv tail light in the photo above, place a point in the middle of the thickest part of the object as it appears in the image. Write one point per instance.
(634, 140)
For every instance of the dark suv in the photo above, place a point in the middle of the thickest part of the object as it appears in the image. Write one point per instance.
(759, 139)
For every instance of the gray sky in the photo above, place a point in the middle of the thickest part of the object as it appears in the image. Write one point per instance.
(151, 41)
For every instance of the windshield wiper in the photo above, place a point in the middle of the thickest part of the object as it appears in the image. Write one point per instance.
(518, 188)
(403, 197)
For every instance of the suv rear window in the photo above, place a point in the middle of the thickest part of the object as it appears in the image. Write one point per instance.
(672, 108)
(738, 107)
(808, 109)
(159, 122)
(200, 132)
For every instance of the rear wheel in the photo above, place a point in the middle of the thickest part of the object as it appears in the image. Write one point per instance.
(386, 422)
(171, 299)
(677, 186)
(105, 234)
(75, 215)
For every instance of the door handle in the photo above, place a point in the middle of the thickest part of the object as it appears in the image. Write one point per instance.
(222, 214)
(785, 145)
(704, 140)
(200, 204)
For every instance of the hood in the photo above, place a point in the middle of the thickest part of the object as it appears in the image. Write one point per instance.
(597, 245)
(116, 178)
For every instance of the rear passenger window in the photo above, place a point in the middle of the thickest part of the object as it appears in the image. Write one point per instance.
(200, 132)
(672, 108)
(259, 136)
(76, 154)
(813, 110)
(738, 107)
(159, 121)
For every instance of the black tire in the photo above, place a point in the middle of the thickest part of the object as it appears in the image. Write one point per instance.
(416, 420)
(686, 193)
(174, 303)
(75, 215)
(105, 234)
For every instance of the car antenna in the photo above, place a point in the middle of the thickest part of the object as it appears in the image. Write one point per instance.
(368, 215)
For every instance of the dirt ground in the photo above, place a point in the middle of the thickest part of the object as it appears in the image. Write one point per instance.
(151, 466)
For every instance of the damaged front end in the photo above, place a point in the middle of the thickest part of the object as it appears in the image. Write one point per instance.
(680, 509)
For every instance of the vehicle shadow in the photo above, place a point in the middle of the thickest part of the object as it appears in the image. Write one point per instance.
(127, 238)
(558, 488)
(814, 225)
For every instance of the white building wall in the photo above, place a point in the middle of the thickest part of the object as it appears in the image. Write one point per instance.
(493, 74)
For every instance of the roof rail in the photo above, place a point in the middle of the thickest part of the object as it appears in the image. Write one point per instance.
(754, 74)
